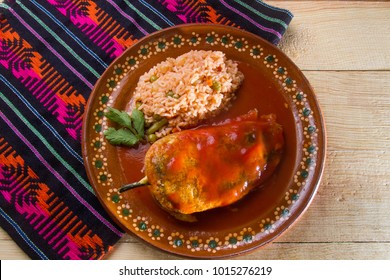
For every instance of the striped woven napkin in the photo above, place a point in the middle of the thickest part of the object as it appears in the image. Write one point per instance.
(51, 54)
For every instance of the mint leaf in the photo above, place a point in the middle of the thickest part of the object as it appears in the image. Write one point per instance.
(138, 121)
(121, 136)
(120, 117)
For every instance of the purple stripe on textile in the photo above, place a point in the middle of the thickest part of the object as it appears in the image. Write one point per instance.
(51, 49)
(128, 17)
(270, 30)
(58, 176)
(89, 28)
(37, 85)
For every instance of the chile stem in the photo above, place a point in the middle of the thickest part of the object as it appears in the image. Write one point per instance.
(140, 183)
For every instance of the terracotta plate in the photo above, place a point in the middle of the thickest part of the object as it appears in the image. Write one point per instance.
(273, 84)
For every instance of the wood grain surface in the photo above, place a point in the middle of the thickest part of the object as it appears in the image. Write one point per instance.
(343, 49)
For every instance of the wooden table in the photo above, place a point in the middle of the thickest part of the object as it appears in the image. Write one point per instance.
(344, 50)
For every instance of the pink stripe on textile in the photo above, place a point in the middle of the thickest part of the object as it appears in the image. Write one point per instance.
(59, 177)
(171, 5)
(32, 212)
(90, 29)
(67, 64)
(39, 88)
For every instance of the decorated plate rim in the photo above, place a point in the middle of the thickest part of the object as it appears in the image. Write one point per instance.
(312, 158)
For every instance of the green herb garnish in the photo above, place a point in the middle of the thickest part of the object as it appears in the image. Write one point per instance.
(138, 121)
(120, 117)
(121, 136)
(132, 127)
